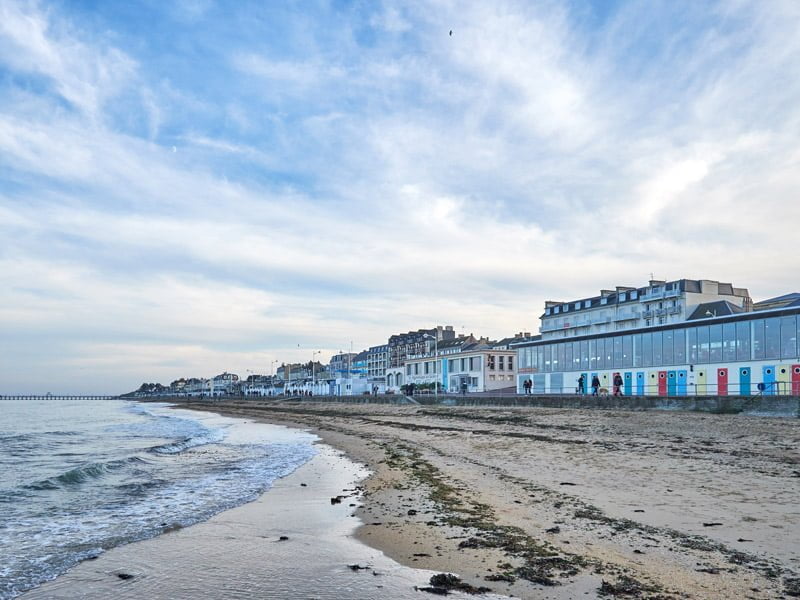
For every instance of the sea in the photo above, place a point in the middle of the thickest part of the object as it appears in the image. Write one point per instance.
(80, 477)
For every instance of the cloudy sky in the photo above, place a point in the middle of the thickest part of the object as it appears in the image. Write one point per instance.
(198, 186)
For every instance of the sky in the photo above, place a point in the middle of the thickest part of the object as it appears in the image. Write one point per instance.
(195, 186)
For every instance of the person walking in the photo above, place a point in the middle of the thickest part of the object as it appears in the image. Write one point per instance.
(618, 385)
(581, 381)
(595, 385)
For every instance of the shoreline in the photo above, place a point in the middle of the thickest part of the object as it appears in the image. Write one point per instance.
(546, 503)
(291, 542)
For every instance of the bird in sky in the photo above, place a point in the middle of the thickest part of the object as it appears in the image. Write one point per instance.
(451, 33)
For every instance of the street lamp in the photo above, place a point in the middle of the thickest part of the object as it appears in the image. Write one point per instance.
(313, 373)
(435, 365)
(272, 374)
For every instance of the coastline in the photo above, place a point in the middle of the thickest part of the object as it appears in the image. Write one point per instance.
(545, 503)
(242, 553)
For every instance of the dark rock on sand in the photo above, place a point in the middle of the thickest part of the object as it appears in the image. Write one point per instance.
(124, 575)
(283, 538)
(555, 529)
(336, 499)
(443, 583)
(791, 586)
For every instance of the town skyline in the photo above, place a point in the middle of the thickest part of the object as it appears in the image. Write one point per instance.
(202, 187)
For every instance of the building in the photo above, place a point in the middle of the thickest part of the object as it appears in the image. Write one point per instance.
(464, 364)
(377, 361)
(675, 338)
(342, 363)
(414, 343)
(659, 303)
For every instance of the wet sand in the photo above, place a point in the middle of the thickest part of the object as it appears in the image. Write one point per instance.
(240, 554)
(545, 503)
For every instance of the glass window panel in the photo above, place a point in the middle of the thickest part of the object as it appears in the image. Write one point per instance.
(729, 342)
(743, 341)
(540, 358)
(702, 344)
(668, 351)
(647, 349)
(568, 356)
(627, 351)
(609, 353)
(584, 355)
(679, 346)
(788, 337)
(576, 355)
(658, 357)
(691, 344)
(715, 343)
(617, 360)
(593, 354)
(758, 339)
(772, 337)
(637, 350)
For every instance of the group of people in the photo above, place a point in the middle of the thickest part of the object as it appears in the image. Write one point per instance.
(617, 385)
(527, 386)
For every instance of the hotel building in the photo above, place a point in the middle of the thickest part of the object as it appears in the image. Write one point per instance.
(668, 339)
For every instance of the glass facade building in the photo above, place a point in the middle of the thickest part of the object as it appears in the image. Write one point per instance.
(745, 353)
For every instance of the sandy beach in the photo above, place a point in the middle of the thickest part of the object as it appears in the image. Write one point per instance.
(544, 503)
(292, 542)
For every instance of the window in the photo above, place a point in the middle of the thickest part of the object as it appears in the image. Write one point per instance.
(679, 346)
(647, 349)
(627, 351)
(427, 367)
(622, 297)
(715, 343)
(491, 377)
(772, 337)
(567, 357)
(617, 351)
(691, 343)
(788, 337)
(584, 355)
(637, 350)
(758, 339)
(729, 342)
(668, 354)
(702, 344)
(408, 369)
(593, 354)
(587, 304)
(416, 368)
(658, 356)
(490, 359)
(501, 362)
(743, 341)
(510, 363)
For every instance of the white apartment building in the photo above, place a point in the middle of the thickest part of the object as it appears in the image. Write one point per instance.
(659, 303)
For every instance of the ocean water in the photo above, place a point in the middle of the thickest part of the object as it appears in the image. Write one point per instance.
(80, 477)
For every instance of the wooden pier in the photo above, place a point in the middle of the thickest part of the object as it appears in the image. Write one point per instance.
(55, 397)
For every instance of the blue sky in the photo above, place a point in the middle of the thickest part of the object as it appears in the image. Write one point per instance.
(198, 186)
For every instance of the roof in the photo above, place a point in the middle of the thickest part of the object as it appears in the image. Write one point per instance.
(787, 300)
(718, 308)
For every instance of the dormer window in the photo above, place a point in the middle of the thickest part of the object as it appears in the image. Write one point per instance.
(565, 308)
(623, 297)
(556, 309)
(587, 304)
(634, 294)
(547, 311)
(577, 306)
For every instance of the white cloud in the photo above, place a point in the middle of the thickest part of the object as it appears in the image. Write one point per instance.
(455, 180)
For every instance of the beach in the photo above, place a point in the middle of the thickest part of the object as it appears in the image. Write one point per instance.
(545, 503)
(522, 502)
